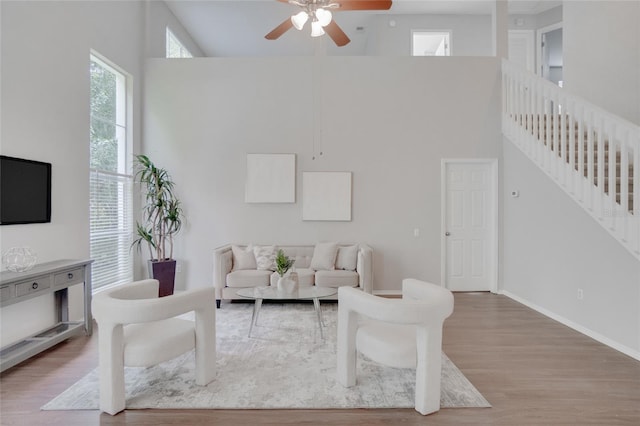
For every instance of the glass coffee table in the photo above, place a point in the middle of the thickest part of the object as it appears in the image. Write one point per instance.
(272, 293)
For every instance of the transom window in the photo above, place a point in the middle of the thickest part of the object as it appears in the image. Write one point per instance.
(175, 48)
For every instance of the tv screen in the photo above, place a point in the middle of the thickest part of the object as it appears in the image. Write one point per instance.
(25, 191)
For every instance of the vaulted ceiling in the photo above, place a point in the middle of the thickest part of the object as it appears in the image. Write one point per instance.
(238, 27)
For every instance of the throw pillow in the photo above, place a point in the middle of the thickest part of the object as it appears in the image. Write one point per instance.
(265, 257)
(324, 256)
(243, 258)
(347, 258)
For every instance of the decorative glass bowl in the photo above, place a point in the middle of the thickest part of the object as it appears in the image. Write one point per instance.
(19, 259)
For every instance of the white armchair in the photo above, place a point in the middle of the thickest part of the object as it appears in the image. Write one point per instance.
(138, 329)
(402, 333)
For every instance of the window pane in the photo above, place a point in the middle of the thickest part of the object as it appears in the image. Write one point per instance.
(111, 229)
(103, 142)
(111, 215)
(102, 129)
(175, 49)
(104, 152)
(103, 93)
(184, 53)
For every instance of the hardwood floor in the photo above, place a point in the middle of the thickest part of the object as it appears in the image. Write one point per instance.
(533, 370)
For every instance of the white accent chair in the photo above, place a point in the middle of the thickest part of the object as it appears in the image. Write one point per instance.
(137, 328)
(401, 333)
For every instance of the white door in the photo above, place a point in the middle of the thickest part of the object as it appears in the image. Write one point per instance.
(521, 48)
(469, 215)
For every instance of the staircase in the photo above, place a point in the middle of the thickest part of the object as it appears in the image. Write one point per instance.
(591, 154)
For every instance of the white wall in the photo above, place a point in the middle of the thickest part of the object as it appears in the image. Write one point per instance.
(549, 17)
(552, 247)
(471, 35)
(45, 116)
(602, 54)
(534, 22)
(379, 118)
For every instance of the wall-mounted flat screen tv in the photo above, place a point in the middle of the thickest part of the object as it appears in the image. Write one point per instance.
(25, 191)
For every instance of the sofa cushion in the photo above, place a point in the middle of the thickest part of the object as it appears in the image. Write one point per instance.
(248, 278)
(302, 262)
(324, 256)
(265, 257)
(337, 278)
(347, 258)
(305, 277)
(243, 258)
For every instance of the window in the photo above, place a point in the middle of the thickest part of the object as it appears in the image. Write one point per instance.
(111, 182)
(430, 43)
(175, 49)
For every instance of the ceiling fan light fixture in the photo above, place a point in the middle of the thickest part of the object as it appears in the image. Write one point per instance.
(299, 19)
(320, 13)
(316, 29)
(324, 16)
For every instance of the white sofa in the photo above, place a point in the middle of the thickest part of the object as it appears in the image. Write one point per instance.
(352, 266)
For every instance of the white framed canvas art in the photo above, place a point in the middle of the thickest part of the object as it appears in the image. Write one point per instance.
(326, 196)
(271, 178)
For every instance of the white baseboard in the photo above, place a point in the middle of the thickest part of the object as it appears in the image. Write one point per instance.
(587, 332)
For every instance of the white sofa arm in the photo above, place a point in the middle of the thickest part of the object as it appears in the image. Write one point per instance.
(222, 264)
(364, 267)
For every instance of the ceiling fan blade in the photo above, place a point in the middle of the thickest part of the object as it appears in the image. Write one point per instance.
(364, 4)
(280, 29)
(336, 33)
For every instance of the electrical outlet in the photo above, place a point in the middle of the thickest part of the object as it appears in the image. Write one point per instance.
(580, 294)
(416, 232)
(178, 268)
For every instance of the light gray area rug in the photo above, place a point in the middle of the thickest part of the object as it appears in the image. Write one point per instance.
(285, 364)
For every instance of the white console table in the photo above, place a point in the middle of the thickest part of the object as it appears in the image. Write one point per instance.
(46, 278)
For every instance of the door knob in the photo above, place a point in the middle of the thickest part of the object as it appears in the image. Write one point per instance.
(447, 233)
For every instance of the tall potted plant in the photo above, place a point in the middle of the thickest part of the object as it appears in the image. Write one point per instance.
(161, 220)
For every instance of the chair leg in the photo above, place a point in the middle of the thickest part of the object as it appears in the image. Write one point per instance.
(205, 345)
(428, 369)
(218, 303)
(346, 345)
(111, 368)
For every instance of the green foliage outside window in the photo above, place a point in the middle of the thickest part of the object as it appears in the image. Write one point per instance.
(103, 137)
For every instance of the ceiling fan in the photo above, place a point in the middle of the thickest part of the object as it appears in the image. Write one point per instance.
(321, 18)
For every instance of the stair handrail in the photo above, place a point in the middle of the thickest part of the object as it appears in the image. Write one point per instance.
(591, 153)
